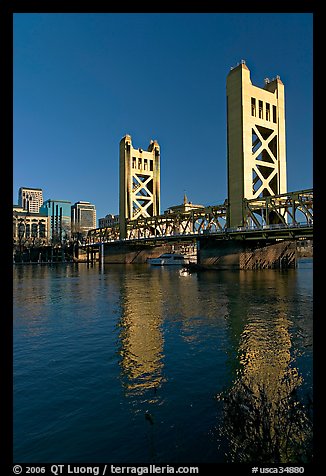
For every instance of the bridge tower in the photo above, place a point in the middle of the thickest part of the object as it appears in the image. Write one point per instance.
(255, 139)
(139, 182)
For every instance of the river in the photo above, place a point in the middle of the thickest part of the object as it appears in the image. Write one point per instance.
(139, 364)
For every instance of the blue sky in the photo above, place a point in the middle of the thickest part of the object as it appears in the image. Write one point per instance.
(83, 81)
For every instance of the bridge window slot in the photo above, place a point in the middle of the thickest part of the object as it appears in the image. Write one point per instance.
(134, 162)
(260, 103)
(253, 106)
(139, 163)
(145, 164)
(151, 165)
(268, 112)
(274, 114)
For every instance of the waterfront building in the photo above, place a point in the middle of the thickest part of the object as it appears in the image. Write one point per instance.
(255, 140)
(29, 228)
(186, 206)
(59, 213)
(30, 199)
(139, 182)
(83, 217)
(108, 221)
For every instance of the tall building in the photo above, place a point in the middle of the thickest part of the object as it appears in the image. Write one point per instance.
(30, 199)
(139, 182)
(83, 217)
(255, 140)
(59, 212)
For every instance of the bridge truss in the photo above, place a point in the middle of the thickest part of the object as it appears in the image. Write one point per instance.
(288, 209)
(285, 211)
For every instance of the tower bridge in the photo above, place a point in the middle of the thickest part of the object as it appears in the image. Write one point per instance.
(259, 222)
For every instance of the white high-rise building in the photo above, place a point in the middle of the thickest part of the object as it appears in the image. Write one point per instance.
(83, 217)
(30, 199)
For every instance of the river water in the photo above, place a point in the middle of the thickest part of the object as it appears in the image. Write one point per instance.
(139, 364)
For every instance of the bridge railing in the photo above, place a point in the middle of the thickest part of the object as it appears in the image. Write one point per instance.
(290, 210)
(212, 219)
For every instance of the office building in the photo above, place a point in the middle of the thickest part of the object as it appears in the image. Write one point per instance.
(83, 217)
(29, 228)
(30, 199)
(185, 207)
(108, 221)
(59, 213)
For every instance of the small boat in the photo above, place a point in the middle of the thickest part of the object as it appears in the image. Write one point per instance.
(169, 259)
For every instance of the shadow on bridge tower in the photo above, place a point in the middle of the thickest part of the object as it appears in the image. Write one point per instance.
(256, 145)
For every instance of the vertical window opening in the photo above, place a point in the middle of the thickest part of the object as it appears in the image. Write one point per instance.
(253, 106)
(268, 112)
(260, 109)
(274, 114)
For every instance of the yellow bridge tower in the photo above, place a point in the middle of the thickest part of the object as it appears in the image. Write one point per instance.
(139, 182)
(255, 139)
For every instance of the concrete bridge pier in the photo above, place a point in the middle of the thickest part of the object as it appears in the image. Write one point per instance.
(138, 253)
(245, 254)
(212, 253)
(92, 255)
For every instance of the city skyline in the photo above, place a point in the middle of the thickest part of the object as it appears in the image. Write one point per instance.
(83, 81)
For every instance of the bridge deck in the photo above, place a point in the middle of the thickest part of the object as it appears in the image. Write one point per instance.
(285, 216)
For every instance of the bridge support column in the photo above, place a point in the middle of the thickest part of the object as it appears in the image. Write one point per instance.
(102, 254)
(139, 253)
(90, 255)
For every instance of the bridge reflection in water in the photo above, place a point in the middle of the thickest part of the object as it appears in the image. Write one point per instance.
(263, 411)
(264, 421)
(140, 334)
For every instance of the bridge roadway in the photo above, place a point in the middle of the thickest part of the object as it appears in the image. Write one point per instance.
(266, 232)
(267, 239)
(268, 246)
(278, 217)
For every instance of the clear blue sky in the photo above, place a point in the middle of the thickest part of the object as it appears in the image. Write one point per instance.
(83, 81)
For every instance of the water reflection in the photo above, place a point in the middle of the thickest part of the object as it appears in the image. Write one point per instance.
(140, 353)
(141, 339)
(263, 418)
